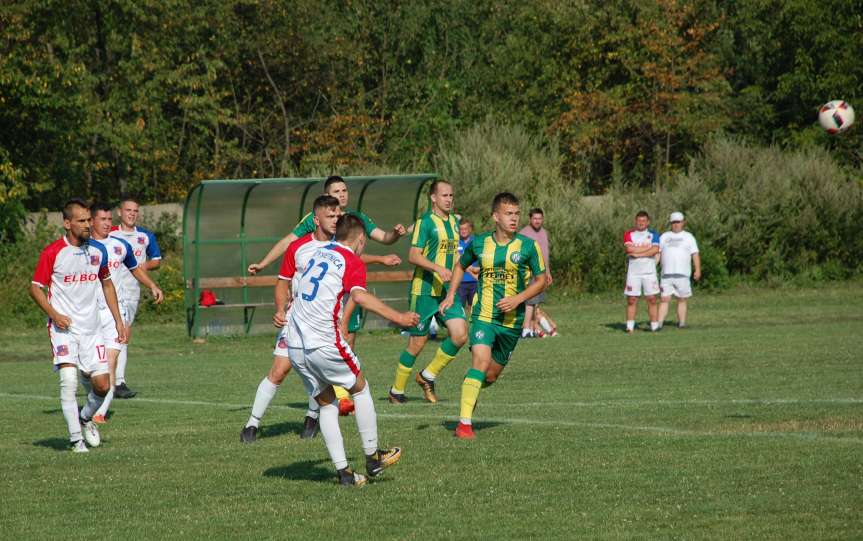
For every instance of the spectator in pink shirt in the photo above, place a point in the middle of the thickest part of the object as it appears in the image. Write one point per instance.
(534, 324)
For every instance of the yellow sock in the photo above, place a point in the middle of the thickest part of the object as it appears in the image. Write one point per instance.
(445, 353)
(470, 393)
(341, 392)
(403, 374)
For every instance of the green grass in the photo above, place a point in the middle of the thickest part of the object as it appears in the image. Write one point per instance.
(748, 425)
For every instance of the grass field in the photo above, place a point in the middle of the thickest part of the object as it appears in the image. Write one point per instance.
(748, 425)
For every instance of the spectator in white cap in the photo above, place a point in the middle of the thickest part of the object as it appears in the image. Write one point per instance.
(678, 255)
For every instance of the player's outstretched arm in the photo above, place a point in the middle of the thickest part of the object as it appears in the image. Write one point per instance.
(38, 295)
(275, 252)
(507, 304)
(390, 260)
(114, 307)
(374, 304)
(388, 237)
(144, 278)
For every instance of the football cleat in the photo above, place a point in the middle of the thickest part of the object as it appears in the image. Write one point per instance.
(681, 325)
(91, 433)
(310, 428)
(123, 391)
(396, 398)
(464, 432)
(382, 459)
(79, 447)
(348, 477)
(346, 406)
(249, 434)
(99, 419)
(427, 386)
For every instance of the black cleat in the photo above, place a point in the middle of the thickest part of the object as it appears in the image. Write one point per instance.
(249, 434)
(348, 477)
(397, 398)
(123, 391)
(382, 459)
(310, 428)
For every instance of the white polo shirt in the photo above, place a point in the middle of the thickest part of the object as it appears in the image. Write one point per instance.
(676, 251)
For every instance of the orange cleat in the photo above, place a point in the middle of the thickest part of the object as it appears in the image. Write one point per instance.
(346, 406)
(99, 419)
(464, 432)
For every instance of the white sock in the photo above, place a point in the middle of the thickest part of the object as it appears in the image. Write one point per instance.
(266, 391)
(654, 325)
(106, 403)
(92, 405)
(69, 401)
(546, 326)
(329, 427)
(630, 325)
(525, 333)
(314, 408)
(120, 372)
(425, 373)
(367, 420)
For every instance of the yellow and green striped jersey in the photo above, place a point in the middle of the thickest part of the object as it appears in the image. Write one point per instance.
(307, 224)
(438, 239)
(504, 270)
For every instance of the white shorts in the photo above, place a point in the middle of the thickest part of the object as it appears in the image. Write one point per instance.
(328, 365)
(109, 329)
(678, 286)
(281, 349)
(129, 307)
(87, 351)
(641, 284)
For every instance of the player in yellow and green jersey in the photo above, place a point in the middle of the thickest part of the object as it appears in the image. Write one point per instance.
(507, 261)
(434, 250)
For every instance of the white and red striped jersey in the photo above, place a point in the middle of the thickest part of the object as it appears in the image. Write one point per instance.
(120, 254)
(296, 257)
(144, 247)
(331, 273)
(73, 275)
(641, 265)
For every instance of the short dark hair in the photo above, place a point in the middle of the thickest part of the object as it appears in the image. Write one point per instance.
(71, 204)
(642, 213)
(324, 202)
(433, 186)
(128, 197)
(503, 198)
(465, 221)
(536, 210)
(99, 206)
(348, 227)
(332, 179)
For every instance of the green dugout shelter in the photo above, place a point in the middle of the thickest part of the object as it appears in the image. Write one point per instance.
(228, 224)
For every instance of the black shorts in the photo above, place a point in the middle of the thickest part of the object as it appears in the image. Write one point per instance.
(466, 291)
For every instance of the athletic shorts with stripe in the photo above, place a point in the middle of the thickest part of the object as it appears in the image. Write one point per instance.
(427, 307)
(86, 351)
(328, 365)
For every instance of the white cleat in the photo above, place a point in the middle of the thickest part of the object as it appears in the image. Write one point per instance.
(79, 447)
(91, 434)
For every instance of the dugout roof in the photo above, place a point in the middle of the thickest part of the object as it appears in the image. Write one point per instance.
(228, 224)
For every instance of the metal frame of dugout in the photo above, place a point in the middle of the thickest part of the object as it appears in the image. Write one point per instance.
(228, 224)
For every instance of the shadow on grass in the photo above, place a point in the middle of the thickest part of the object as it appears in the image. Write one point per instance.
(615, 326)
(307, 470)
(477, 426)
(52, 411)
(271, 431)
(58, 444)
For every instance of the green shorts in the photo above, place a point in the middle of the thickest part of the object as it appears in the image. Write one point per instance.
(427, 307)
(356, 321)
(502, 340)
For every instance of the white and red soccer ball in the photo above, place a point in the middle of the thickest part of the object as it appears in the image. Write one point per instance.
(836, 116)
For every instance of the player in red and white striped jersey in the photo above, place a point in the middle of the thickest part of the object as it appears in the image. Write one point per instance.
(74, 269)
(321, 355)
(121, 258)
(326, 213)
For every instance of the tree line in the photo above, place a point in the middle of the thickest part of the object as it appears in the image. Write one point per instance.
(99, 98)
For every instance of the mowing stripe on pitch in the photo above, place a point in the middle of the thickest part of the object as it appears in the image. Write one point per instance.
(809, 436)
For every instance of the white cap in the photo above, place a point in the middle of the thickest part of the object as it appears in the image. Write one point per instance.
(676, 217)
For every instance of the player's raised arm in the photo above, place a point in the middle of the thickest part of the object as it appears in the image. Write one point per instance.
(374, 304)
(275, 252)
(388, 237)
(390, 260)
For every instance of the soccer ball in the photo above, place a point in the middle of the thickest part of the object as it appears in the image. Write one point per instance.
(836, 116)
